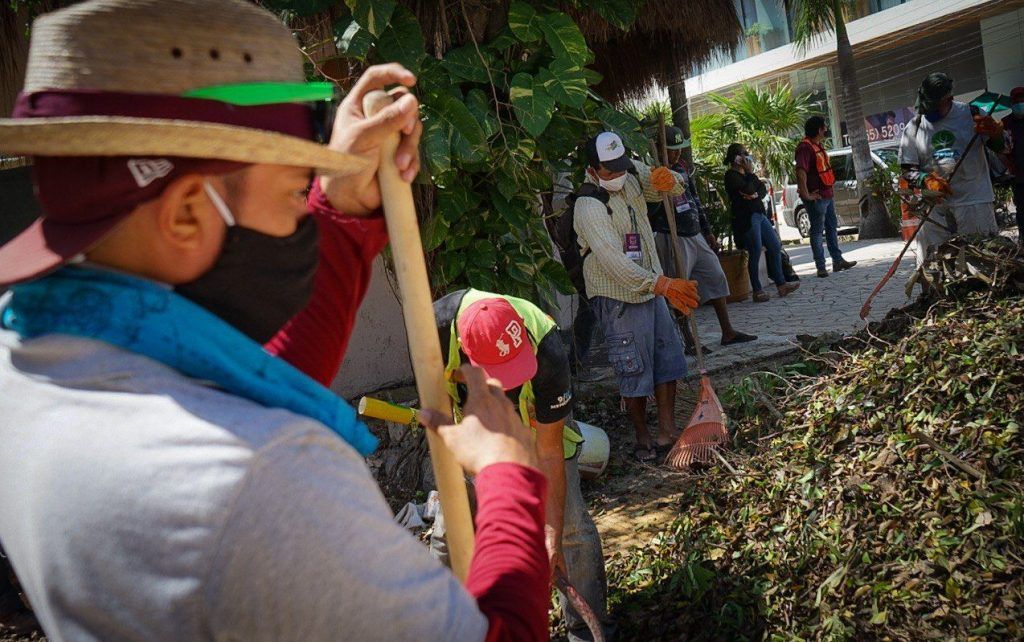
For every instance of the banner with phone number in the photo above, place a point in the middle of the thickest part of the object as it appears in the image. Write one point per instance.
(886, 125)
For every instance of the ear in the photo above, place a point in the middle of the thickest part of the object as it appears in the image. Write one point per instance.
(185, 218)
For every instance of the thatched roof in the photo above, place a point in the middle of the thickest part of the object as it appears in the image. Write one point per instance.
(668, 36)
(669, 39)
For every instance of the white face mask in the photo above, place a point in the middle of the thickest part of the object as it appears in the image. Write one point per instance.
(614, 184)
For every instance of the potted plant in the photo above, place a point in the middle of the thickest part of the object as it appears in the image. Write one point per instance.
(755, 34)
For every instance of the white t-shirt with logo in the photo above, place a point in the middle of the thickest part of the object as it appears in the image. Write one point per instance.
(936, 147)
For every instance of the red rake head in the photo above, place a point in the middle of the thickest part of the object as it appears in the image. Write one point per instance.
(704, 432)
(697, 445)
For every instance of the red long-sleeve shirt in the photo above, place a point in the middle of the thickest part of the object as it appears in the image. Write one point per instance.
(509, 572)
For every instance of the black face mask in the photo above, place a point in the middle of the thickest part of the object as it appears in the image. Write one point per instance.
(259, 282)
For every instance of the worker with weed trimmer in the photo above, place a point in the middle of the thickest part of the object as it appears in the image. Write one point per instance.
(627, 288)
(933, 145)
(518, 344)
(164, 476)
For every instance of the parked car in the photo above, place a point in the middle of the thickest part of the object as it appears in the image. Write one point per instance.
(845, 188)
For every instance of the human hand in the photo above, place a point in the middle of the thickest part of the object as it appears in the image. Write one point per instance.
(680, 293)
(936, 183)
(361, 135)
(712, 243)
(988, 126)
(813, 196)
(662, 179)
(490, 431)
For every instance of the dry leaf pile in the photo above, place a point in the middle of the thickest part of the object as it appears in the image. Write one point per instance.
(879, 495)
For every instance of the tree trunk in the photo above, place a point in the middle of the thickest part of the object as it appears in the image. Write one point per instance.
(874, 221)
(680, 108)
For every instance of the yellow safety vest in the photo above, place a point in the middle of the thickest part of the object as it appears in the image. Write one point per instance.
(538, 324)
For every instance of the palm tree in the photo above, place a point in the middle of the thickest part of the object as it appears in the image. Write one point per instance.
(812, 20)
(767, 120)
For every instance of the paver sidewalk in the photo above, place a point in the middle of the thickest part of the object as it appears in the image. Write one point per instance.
(820, 306)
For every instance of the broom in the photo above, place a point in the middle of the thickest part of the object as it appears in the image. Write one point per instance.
(706, 429)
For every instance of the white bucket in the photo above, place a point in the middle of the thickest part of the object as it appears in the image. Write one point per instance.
(594, 451)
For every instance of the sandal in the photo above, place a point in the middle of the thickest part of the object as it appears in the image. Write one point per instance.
(644, 455)
(739, 337)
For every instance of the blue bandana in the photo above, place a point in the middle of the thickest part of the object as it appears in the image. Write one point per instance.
(142, 317)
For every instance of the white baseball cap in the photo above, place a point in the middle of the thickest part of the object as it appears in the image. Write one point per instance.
(607, 149)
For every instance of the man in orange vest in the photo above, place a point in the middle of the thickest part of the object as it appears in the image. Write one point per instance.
(815, 178)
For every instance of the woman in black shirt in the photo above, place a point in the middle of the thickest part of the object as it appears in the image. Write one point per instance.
(750, 223)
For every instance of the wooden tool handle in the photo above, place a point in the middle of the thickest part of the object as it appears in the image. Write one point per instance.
(424, 343)
(670, 216)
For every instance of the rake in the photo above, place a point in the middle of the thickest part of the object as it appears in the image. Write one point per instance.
(705, 431)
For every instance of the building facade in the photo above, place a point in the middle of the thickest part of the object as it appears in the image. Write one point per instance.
(896, 43)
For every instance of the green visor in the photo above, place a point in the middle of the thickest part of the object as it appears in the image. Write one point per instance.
(990, 102)
(265, 93)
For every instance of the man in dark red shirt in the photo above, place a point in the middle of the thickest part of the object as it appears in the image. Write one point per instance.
(814, 183)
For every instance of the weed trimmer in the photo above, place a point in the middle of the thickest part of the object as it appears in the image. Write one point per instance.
(705, 431)
(865, 310)
(424, 343)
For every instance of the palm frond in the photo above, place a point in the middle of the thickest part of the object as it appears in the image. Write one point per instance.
(814, 20)
(768, 120)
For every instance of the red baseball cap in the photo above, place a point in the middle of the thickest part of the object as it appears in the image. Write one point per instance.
(494, 337)
(1017, 94)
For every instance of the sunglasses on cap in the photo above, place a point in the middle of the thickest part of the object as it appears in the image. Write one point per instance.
(323, 99)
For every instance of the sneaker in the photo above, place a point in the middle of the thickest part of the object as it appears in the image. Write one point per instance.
(822, 273)
(843, 265)
(788, 288)
(760, 296)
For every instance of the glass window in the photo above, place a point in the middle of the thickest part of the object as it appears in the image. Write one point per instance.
(840, 166)
(882, 5)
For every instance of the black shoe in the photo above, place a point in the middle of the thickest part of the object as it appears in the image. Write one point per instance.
(822, 273)
(691, 351)
(843, 265)
(739, 338)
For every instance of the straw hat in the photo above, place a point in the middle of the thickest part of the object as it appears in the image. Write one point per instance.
(86, 62)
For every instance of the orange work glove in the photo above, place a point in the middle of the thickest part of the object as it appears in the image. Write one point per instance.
(988, 126)
(936, 183)
(662, 179)
(681, 294)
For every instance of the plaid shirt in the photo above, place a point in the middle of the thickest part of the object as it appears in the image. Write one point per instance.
(606, 270)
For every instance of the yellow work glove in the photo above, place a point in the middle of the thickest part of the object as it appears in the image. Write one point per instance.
(662, 179)
(680, 293)
(988, 126)
(936, 183)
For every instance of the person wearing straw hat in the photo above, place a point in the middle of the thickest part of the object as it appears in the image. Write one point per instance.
(163, 475)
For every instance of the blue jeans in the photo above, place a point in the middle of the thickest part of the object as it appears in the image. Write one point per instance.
(643, 343)
(581, 545)
(762, 234)
(584, 560)
(822, 214)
